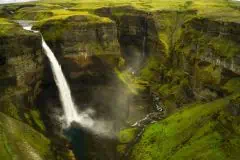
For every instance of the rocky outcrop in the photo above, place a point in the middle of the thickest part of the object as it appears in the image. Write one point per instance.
(21, 67)
(137, 33)
(83, 43)
(221, 43)
(216, 28)
(201, 56)
(201, 63)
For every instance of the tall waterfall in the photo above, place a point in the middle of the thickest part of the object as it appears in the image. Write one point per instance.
(70, 111)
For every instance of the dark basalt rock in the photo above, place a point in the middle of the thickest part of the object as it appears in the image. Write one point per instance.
(2, 60)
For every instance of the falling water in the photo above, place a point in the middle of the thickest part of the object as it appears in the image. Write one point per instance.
(70, 111)
(144, 39)
(69, 107)
(144, 47)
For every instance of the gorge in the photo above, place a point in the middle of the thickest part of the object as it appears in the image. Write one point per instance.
(119, 80)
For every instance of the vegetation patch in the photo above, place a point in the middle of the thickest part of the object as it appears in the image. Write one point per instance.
(19, 140)
(127, 135)
(197, 131)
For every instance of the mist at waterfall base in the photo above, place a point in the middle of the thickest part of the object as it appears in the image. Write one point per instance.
(71, 114)
(83, 119)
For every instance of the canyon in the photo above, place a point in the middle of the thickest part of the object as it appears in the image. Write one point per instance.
(148, 80)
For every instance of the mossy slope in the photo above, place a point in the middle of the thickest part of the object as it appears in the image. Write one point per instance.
(200, 131)
(20, 141)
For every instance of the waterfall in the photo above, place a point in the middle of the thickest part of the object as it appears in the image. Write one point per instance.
(144, 47)
(71, 114)
(70, 111)
(144, 29)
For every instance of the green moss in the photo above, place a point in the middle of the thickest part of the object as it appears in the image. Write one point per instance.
(63, 21)
(218, 9)
(219, 45)
(195, 132)
(19, 111)
(35, 115)
(233, 85)
(127, 135)
(134, 84)
(148, 73)
(33, 15)
(61, 15)
(121, 62)
(121, 149)
(210, 75)
(55, 31)
(9, 28)
(20, 141)
(224, 47)
(164, 39)
(10, 109)
(6, 27)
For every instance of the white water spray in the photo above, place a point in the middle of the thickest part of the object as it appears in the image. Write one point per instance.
(71, 113)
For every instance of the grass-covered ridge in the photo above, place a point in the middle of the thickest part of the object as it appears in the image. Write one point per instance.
(217, 9)
(6, 26)
(222, 10)
(201, 131)
(10, 28)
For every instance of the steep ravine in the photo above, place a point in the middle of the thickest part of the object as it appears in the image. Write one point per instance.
(190, 70)
(201, 69)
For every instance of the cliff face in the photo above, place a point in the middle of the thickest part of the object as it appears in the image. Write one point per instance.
(213, 49)
(21, 124)
(21, 67)
(221, 43)
(21, 70)
(200, 65)
(80, 40)
(137, 33)
(89, 49)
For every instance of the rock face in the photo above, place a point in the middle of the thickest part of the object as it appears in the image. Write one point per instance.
(214, 49)
(21, 67)
(137, 33)
(201, 63)
(80, 42)
(88, 49)
(200, 57)
(82, 35)
(21, 124)
(224, 51)
(21, 72)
